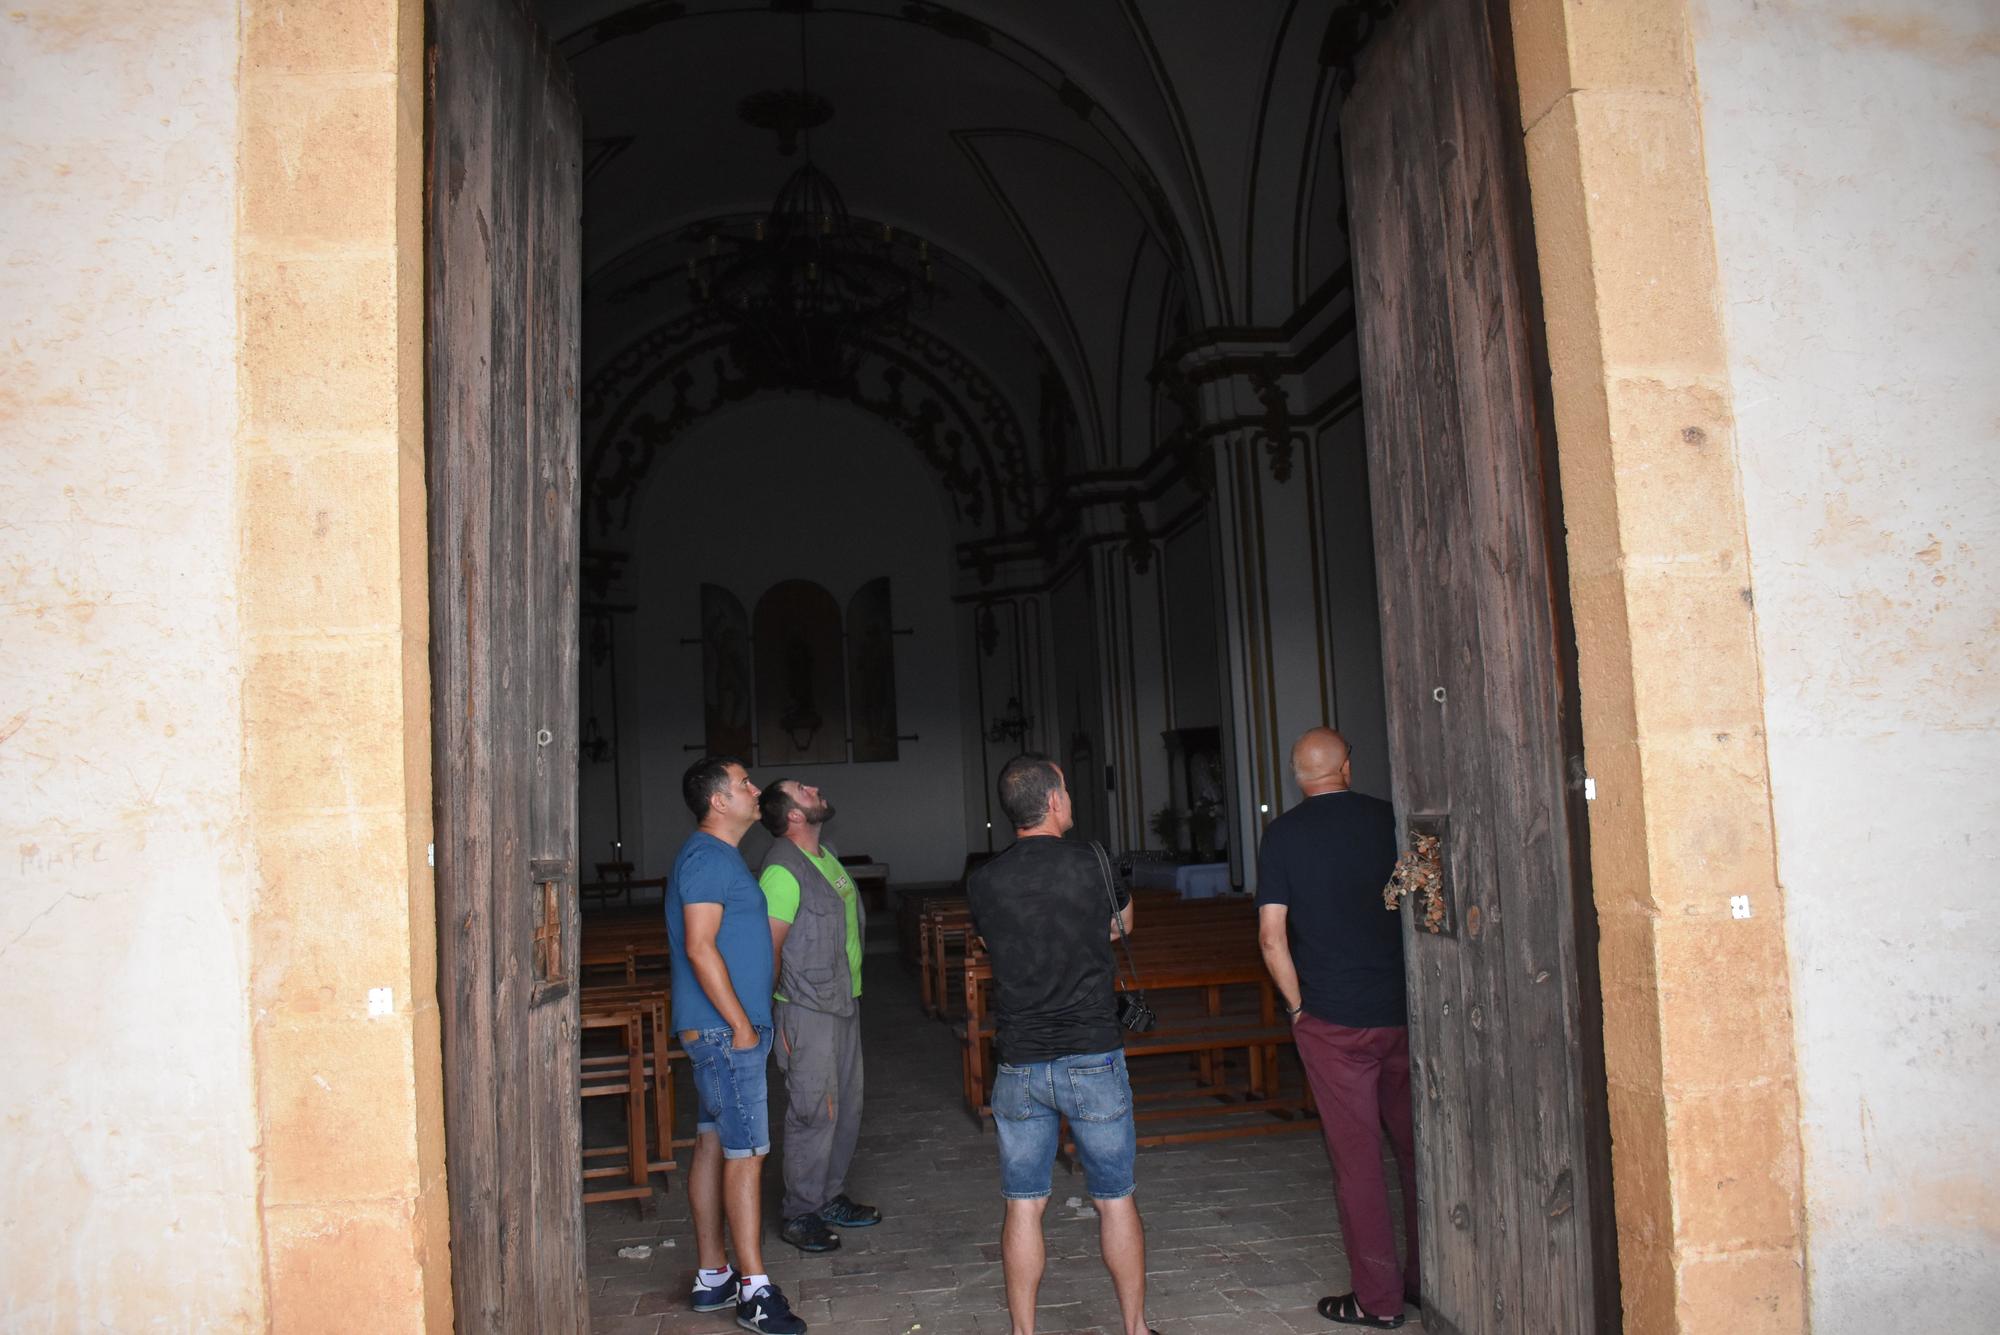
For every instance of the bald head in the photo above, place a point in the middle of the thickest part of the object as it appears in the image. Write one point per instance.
(1320, 762)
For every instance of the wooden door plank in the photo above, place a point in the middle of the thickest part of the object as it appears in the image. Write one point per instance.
(503, 651)
(552, 301)
(1477, 857)
(1526, 780)
(458, 336)
(1397, 410)
(509, 629)
(1467, 599)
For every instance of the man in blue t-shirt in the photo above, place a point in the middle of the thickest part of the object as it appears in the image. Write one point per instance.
(1336, 955)
(719, 941)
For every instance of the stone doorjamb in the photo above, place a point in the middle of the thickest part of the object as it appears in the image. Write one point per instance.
(1698, 1037)
(336, 761)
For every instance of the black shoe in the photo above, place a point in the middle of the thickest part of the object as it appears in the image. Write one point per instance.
(766, 1310)
(809, 1233)
(843, 1213)
(1346, 1309)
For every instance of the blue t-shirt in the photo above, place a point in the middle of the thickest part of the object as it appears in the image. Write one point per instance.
(709, 871)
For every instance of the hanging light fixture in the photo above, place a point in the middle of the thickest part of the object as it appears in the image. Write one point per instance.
(807, 280)
(1012, 725)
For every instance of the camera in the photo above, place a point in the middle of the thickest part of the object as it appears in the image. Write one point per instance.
(1135, 1014)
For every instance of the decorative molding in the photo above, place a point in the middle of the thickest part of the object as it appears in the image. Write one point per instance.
(1275, 431)
(1138, 545)
(950, 23)
(681, 372)
(1282, 336)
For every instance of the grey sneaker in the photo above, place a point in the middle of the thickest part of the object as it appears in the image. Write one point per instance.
(844, 1213)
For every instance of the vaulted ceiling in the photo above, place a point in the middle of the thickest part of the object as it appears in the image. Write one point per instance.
(1098, 180)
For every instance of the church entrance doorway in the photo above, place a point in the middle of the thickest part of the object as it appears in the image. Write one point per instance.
(1478, 664)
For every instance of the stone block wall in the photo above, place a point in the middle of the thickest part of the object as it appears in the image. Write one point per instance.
(1697, 999)
(335, 612)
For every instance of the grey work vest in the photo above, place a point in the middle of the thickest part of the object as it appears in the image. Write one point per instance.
(813, 971)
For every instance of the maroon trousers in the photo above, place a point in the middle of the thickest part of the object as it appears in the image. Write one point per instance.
(1360, 1079)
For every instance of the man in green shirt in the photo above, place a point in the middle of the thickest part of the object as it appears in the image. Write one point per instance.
(816, 936)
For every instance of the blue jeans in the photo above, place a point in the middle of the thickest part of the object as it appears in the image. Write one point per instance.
(1094, 1092)
(733, 1091)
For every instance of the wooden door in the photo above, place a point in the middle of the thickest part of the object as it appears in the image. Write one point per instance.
(504, 289)
(1512, 1160)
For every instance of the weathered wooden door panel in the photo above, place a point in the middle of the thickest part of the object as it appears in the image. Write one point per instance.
(1513, 1191)
(502, 191)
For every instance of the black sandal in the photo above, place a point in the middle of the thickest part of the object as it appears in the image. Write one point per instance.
(1346, 1309)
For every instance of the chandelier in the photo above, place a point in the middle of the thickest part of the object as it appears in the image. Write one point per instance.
(806, 281)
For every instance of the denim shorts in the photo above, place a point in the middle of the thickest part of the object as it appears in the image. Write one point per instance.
(1095, 1094)
(731, 1088)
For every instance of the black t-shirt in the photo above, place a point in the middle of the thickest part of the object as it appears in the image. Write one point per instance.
(1327, 860)
(1043, 911)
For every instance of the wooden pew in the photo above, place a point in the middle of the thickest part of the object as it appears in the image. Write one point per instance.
(613, 1076)
(653, 1002)
(947, 930)
(1204, 976)
(631, 941)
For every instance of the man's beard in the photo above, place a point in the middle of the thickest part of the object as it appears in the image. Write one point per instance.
(821, 815)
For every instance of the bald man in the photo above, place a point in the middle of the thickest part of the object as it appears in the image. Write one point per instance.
(1336, 955)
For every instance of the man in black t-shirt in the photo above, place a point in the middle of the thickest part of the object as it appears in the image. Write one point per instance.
(1044, 909)
(1336, 955)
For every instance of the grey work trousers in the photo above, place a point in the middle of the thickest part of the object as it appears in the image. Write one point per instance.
(820, 1055)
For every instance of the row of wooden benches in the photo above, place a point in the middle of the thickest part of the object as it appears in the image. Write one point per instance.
(623, 959)
(1220, 1062)
(937, 933)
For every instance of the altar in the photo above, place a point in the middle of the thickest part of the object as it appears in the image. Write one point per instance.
(1196, 880)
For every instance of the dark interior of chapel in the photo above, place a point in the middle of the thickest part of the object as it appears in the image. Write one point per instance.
(908, 294)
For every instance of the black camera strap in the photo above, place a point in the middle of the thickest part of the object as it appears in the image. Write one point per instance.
(1118, 918)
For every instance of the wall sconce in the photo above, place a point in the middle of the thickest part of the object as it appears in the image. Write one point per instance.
(1012, 725)
(596, 747)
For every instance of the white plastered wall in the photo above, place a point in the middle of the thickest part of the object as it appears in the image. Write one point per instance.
(1854, 174)
(127, 1161)
(797, 488)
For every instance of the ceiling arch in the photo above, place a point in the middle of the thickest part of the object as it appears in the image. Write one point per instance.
(1104, 185)
(669, 76)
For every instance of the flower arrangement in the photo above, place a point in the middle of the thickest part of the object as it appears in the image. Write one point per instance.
(1420, 872)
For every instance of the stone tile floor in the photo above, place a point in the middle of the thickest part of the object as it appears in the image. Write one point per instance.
(1241, 1234)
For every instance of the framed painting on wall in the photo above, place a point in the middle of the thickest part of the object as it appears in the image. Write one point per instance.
(725, 673)
(801, 676)
(871, 671)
